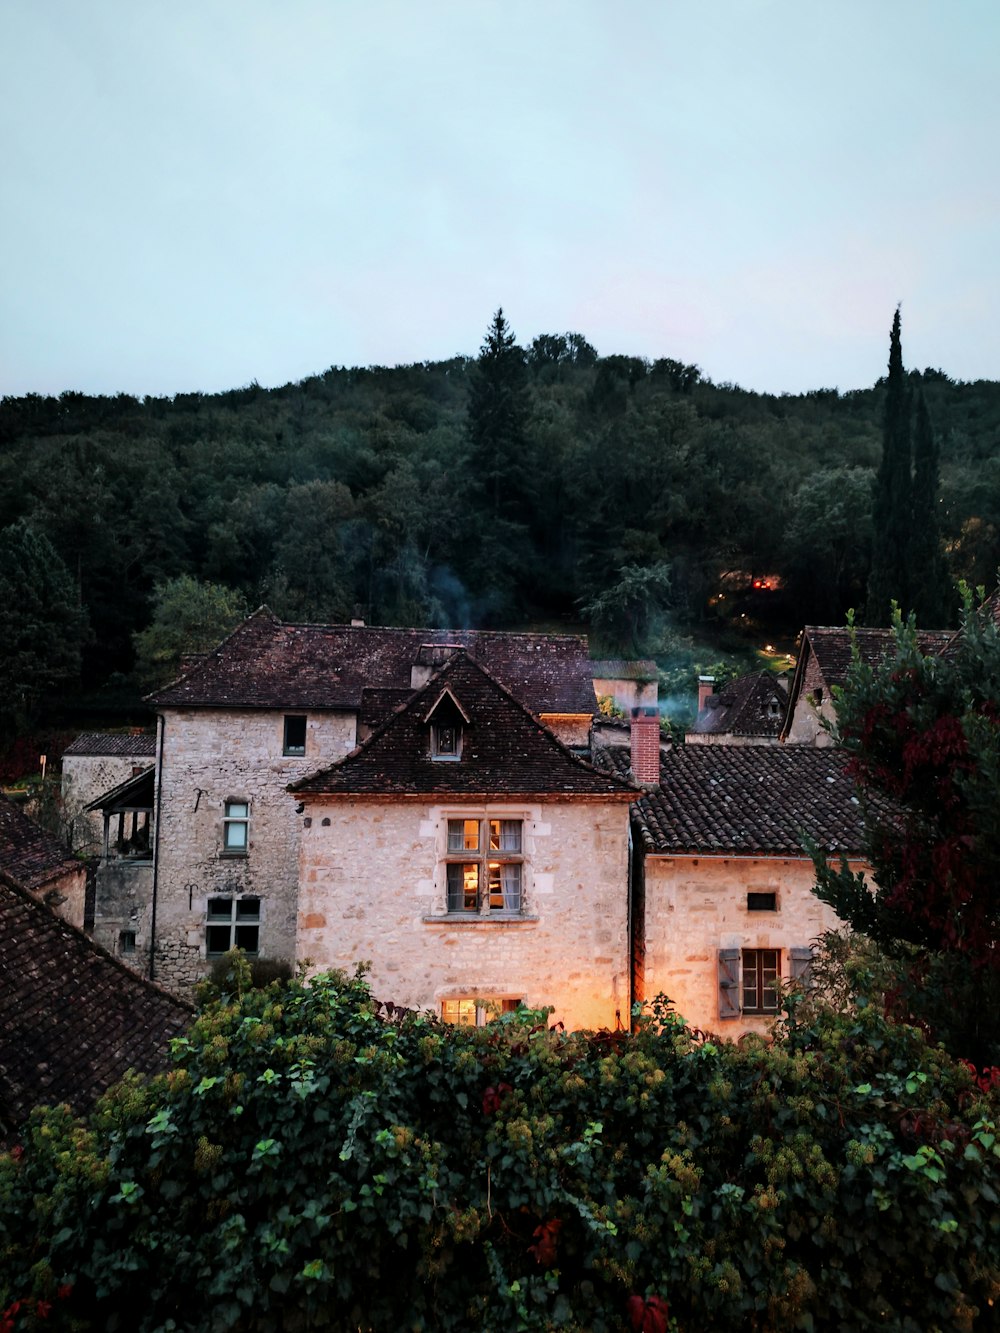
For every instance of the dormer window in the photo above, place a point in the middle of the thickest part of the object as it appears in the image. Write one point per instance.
(447, 722)
(445, 741)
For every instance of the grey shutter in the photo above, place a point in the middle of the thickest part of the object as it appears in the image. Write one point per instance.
(729, 983)
(800, 965)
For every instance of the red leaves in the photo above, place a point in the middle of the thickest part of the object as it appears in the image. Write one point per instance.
(492, 1098)
(648, 1314)
(985, 1080)
(546, 1238)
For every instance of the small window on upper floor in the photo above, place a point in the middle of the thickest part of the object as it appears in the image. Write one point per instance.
(236, 828)
(762, 902)
(295, 735)
(446, 741)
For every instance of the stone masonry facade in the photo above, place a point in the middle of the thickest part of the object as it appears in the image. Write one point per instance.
(372, 888)
(211, 757)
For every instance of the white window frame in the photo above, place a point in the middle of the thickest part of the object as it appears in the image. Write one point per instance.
(231, 822)
(475, 883)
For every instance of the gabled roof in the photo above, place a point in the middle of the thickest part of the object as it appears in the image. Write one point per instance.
(29, 855)
(830, 646)
(125, 745)
(505, 751)
(743, 800)
(73, 1019)
(266, 663)
(743, 707)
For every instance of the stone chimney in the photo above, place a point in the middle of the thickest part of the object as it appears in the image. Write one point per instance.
(646, 746)
(706, 688)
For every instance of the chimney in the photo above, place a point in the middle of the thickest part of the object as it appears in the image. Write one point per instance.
(706, 688)
(646, 746)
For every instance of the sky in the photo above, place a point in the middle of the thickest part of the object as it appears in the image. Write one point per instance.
(202, 193)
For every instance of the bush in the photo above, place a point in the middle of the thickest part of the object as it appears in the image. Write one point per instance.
(310, 1164)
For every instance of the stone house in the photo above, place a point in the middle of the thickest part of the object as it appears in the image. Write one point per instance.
(627, 683)
(93, 764)
(271, 705)
(823, 661)
(747, 711)
(722, 881)
(472, 858)
(33, 860)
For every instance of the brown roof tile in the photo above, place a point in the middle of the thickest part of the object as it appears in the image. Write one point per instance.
(29, 854)
(73, 1019)
(266, 663)
(831, 646)
(751, 799)
(116, 743)
(743, 707)
(505, 750)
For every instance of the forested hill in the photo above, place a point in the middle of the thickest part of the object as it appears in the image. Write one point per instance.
(516, 488)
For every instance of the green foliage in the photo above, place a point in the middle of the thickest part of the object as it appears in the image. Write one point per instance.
(188, 617)
(41, 625)
(628, 615)
(314, 1160)
(923, 739)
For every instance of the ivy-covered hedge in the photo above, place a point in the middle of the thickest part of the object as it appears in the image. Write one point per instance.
(312, 1162)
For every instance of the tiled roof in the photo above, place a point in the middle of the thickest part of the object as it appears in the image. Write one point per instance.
(751, 799)
(377, 705)
(743, 707)
(266, 663)
(135, 793)
(619, 668)
(505, 751)
(73, 1019)
(831, 646)
(30, 855)
(117, 743)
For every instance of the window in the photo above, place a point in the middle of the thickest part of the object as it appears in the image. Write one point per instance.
(232, 923)
(236, 828)
(126, 941)
(475, 1013)
(446, 742)
(484, 866)
(762, 902)
(761, 974)
(295, 735)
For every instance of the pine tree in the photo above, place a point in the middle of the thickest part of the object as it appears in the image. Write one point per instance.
(497, 422)
(932, 595)
(888, 580)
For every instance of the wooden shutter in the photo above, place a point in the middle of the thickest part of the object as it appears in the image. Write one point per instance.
(800, 965)
(729, 983)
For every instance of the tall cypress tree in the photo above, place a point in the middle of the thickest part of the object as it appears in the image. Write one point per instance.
(932, 597)
(889, 580)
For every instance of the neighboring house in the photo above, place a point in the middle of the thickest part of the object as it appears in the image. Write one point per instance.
(91, 765)
(72, 1019)
(723, 900)
(37, 862)
(823, 662)
(124, 876)
(746, 711)
(271, 705)
(628, 684)
(472, 858)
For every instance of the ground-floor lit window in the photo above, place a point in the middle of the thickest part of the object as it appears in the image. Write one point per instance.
(473, 1013)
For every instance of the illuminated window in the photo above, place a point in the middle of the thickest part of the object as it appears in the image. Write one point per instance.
(484, 866)
(236, 828)
(232, 923)
(475, 1013)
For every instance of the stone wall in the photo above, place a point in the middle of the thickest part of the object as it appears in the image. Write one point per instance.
(211, 756)
(806, 727)
(373, 888)
(695, 906)
(84, 778)
(123, 903)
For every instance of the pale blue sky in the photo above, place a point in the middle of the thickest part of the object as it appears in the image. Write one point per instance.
(200, 193)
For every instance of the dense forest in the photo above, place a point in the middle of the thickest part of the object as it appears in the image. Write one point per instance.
(529, 486)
